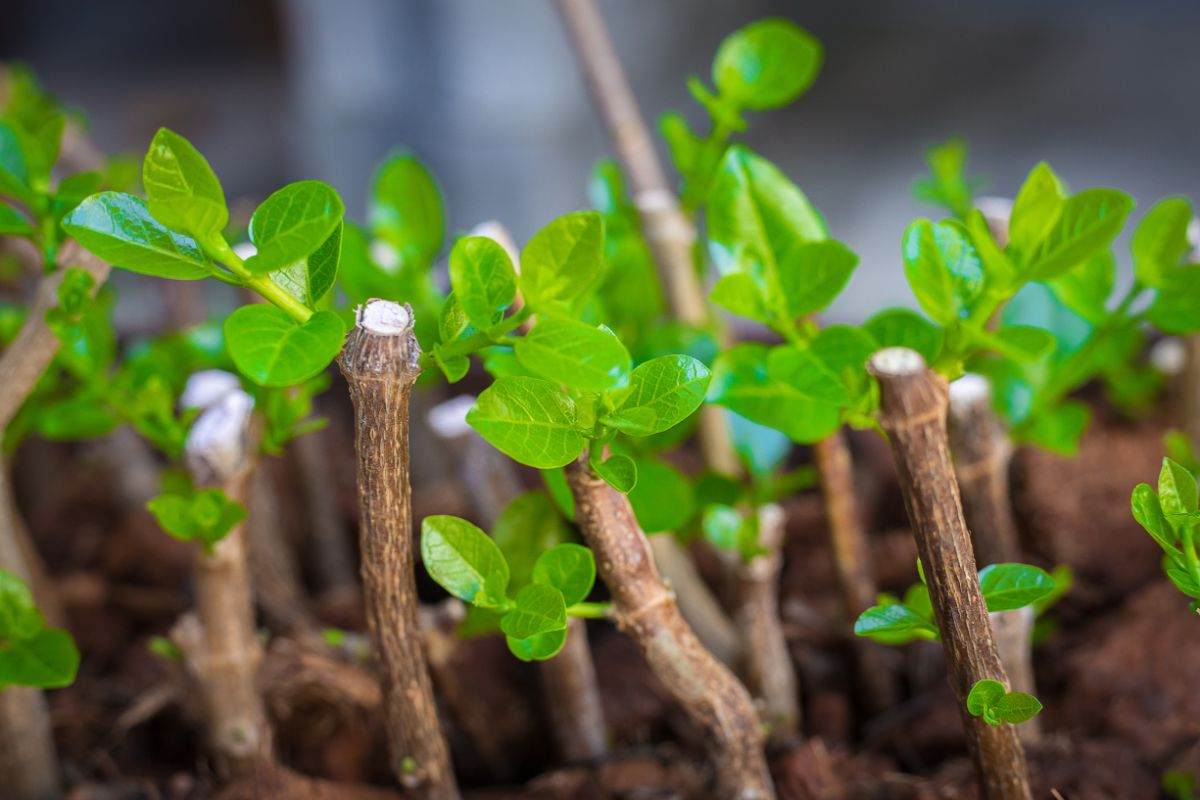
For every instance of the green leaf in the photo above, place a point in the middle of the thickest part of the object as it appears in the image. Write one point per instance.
(293, 223)
(662, 498)
(406, 209)
(813, 274)
(1174, 309)
(1057, 429)
(119, 229)
(1089, 222)
(13, 222)
(527, 527)
(310, 279)
(1023, 343)
(943, 269)
(618, 471)
(1036, 209)
(742, 382)
(529, 419)
(19, 617)
(538, 608)
(14, 165)
(182, 189)
(272, 349)
(464, 561)
(205, 516)
(947, 184)
(766, 64)
(1176, 489)
(1149, 514)
(1160, 241)
(570, 568)
(722, 526)
(806, 374)
(1006, 587)
(661, 393)
(47, 660)
(983, 695)
(483, 279)
(1016, 707)
(1085, 289)
(739, 294)
(562, 262)
(539, 647)
(899, 327)
(575, 354)
(894, 623)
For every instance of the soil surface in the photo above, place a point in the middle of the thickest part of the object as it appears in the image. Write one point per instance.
(1111, 670)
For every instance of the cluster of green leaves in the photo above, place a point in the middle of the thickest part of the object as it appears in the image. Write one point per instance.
(177, 233)
(31, 652)
(1005, 587)
(189, 514)
(764, 65)
(1171, 516)
(527, 581)
(35, 198)
(996, 705)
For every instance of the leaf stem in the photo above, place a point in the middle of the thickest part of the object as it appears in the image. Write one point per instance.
(1188, 536)
(586, 610)
(479, 339)
(262, 285)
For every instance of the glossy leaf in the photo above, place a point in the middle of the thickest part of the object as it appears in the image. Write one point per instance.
(661, 393)
(483, 279)
(1149, 514)
(766, 64)
(943, 269)
(182, 190)
(292, 224)
(570, 568)
(575, 354)
(529, 419)
(1016, 707)
(464, 561)
(562, 262)
(618, 471)
(272, 349)
(983, 695)
(406, 209)
(1010, 586)
(1089, 222)
(893, 623)
(1176, 489)
(119, 229)
(538, 608)
(310, 279)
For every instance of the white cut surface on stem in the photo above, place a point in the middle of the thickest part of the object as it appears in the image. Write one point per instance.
(897, 361)
(968, 392)
(1169, 356)
(207, 387)
(449, 419)
(384, 317)
(244, 250)
(216, 444)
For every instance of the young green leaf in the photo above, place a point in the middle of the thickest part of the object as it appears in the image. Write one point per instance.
(899, 327)
(894, 623)
(802, 409)
(943, 269)
(119, 229)
(1016, 707)
(1089, 222)
(528, 526)
(984, 695)
(48, 659)
(575, 354)
(539, 610)
(618, 471)
(722, 526)
(1176, 489)
(1149, 514)
(205, 516)
(529, 419)
(766, 64)
(406, 209)
(1036, 210)
(1056, 429)
(182, 190)
(740, 294)
(803, 371)
(570, 568)
(661, 393)
(1086, 289)
(562, 262)
(813, 274)
(13, 222)
(272, 349)
(1160, 241)
(292, 224)
(310, 279)
(464, 561)
(483, 279)
(662, 498)
(19, 617)
(1010, 586)
(1174, 310)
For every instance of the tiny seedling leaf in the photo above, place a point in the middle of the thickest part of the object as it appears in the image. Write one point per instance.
(1010, 586)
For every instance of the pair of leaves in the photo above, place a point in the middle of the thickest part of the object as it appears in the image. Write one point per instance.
(995, 704)
(1170, 517)
(204, 516)
(1005, 587)
(468, 564)
(31, 653)
(533, 421)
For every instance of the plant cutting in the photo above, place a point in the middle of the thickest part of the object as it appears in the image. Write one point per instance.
(913, 413)
(563, 391)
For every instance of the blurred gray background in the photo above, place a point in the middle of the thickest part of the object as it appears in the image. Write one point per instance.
(487, 93)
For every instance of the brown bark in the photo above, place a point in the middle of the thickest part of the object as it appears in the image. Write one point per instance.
(645, 609)
(852, 560)
(699, 606)
(766, 664)
(220, 642)
(568, 681)
(380, 362)
(982, 453)
(28, 763)
(913, 412)
(669, 232)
